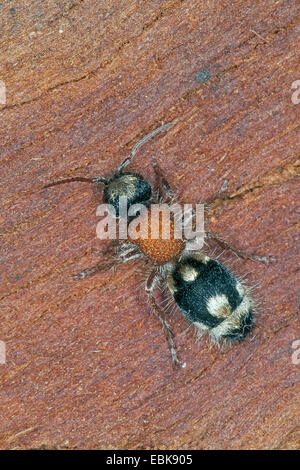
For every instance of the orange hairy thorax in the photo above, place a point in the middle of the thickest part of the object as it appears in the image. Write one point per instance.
(155, 237)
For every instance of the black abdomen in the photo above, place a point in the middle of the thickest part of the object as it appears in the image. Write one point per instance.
(210, 296)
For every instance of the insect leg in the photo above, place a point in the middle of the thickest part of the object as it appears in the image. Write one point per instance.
(241, 254)
(160, 314)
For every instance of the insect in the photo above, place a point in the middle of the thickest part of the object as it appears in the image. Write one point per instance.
(207, 293)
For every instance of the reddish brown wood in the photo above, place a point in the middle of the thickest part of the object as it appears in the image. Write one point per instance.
(87, 365)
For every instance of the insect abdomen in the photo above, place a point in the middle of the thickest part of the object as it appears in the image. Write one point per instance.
(212, 298)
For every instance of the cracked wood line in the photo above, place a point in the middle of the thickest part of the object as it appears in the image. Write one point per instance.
(87, 365)
(161, 14)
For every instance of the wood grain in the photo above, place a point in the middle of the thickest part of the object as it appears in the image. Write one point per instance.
(87, 365)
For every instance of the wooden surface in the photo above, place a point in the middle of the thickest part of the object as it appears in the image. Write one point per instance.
(87, 365)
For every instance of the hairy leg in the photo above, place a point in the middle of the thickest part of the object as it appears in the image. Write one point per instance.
(103, 265)
(112, 259)
(164, 190)
(227, 246)
(160, 314)
(241, 254)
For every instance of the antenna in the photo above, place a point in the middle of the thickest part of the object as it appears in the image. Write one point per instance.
(76, 178)
(100, 179)
(142, 142)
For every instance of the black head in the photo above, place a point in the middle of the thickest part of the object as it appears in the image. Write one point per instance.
(130, 185)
